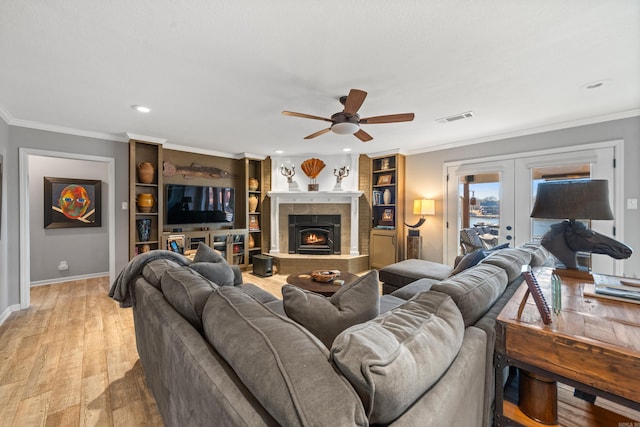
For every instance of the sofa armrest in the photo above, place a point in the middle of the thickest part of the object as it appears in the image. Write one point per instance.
(237, 275)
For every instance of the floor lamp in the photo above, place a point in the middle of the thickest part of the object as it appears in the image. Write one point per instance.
(421, 207)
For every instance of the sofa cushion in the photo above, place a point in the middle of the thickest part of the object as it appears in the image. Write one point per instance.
(283, 365)
(395, 358)
(404, 272)
(469, 260)
(474, 290)
(539, 254)
(206, 254)
(414, 288)
(154, 270)
(219, 273)
(326, 317)
(511, 260)
(187, 292)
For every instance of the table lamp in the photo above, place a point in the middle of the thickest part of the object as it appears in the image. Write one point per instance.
(421, 207)
(572, 200)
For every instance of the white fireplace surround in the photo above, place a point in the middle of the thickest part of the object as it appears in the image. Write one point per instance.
(311, 198)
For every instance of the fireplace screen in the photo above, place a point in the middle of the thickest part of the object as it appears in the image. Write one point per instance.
(314, 234)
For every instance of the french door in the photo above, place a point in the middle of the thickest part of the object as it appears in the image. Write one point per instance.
(503, 192)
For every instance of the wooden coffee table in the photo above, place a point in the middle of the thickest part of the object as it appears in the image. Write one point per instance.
(304, 281)
(592, 343)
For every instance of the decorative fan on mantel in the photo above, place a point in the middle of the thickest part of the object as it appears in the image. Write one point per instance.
(348, 120)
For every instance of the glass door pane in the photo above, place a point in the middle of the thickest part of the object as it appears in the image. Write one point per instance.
(557, 173)
(480, 207)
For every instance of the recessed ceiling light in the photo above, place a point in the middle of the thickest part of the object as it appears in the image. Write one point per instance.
(279, 151)
(346, 149)
(141, 108)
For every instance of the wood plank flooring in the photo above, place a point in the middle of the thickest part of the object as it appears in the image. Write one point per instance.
(71, 360)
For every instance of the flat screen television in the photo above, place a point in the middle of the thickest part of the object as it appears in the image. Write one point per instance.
(195, 204)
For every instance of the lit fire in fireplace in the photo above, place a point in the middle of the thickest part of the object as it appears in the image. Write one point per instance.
(314, 239)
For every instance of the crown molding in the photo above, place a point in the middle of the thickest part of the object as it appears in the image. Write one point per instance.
(531, 131)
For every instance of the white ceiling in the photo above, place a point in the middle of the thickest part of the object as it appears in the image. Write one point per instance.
(217, 74)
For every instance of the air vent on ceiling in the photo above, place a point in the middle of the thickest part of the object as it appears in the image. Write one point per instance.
(465, 115)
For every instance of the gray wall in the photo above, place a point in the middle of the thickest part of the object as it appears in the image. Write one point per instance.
(52, 245)
(426, 175)
(4, 287)
(51, 141)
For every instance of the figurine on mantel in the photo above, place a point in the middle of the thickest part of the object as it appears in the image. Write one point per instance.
(289, 171)
(341, 173)
(312, 168)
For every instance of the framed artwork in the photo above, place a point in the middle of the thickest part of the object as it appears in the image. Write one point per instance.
(384, 179)
(72, 203)
(387, 215)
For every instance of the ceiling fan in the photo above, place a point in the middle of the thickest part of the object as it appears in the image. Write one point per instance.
(348, 120)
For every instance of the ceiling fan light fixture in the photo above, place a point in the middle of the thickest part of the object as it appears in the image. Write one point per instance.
(345, 128)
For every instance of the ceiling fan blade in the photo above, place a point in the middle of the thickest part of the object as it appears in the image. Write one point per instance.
(305, 116)
(363, 136)
(391, 118)
(354, 101)
(320, 132)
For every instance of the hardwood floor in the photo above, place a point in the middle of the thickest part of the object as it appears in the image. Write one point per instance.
(71, 360)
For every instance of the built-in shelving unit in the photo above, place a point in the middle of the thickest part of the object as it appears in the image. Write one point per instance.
(145, 152)
(386, 244)
(255, 203)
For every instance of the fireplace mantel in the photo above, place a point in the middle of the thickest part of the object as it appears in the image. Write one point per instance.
(313, 197)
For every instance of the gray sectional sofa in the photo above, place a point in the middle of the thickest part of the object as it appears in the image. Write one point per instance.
(219, 352)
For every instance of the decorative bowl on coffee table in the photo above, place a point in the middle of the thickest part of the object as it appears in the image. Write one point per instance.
(324, 276)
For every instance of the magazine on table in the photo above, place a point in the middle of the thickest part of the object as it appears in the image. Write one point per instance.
(623, 287)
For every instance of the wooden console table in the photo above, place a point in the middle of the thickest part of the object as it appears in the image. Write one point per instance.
(592, 344)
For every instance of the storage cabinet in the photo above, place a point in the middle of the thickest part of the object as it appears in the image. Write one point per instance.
(387, 210)
(231, 244)
(146, 220)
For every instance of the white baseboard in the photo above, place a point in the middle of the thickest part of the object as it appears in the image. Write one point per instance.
(68, 279)
(8, 311)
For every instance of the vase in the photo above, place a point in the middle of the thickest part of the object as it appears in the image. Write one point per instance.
(386, 196)
(253, 203)
(146, 172)
(144, 229)
(252, 242)
(253, 184)
(145, 202)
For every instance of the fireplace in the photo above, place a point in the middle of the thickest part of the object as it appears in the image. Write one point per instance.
(314, 234)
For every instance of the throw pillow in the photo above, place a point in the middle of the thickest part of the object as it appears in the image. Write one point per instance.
(395, 358)
(498, 247)
(206, 254)
(325, 317)
(281, 363)
(468, 261)
(219, 273)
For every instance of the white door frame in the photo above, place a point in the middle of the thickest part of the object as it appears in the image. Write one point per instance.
(618, 185)
(25, 247)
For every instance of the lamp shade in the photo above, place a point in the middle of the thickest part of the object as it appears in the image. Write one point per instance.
(424, 207)
(573, 199)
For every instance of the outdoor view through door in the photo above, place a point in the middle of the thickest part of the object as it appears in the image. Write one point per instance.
(493, 199)
(479, 211)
